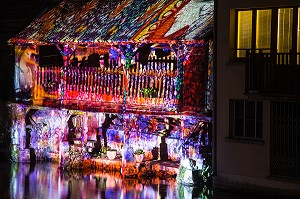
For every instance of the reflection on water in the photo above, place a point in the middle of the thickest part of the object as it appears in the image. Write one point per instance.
(47, 181)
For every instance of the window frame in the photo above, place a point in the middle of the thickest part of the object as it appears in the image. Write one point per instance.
(236, 58)
(274, 30)
(232, 120)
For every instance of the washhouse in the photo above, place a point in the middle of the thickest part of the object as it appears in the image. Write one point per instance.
(116, 85)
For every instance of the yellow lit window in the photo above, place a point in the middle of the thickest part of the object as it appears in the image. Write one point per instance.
(298, 36)
(244, 32)
(263, 29)
(285, 26)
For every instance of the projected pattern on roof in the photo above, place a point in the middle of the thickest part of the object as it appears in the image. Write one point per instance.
(131, 20)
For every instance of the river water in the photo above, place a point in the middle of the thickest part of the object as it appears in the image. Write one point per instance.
(47, 181)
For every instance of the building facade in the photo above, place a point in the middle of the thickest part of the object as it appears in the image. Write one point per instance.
(257, 112)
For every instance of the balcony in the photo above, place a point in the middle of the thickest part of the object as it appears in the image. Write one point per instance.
(272, 74)
(154, 84)
(149, 86)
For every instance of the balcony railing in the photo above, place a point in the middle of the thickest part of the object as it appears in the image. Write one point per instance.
(150, 80)
(152, 86)
(149, 85)
(272, 74)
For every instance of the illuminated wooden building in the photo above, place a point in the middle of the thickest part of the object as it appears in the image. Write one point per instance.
(115, 75)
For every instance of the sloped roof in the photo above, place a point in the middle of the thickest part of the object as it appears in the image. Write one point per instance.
(127, 20)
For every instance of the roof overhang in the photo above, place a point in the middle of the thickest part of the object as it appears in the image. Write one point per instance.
(112, 22)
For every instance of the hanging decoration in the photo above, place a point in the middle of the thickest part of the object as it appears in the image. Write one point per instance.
(129, 52)
(66, 52)
(181, 54)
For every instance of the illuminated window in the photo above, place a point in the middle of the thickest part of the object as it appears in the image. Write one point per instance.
(285, 27)
(244, 33)
(263, 29)
(257, 30)
(246, 119)
(298, 36)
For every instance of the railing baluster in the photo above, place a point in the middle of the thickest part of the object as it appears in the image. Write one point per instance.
(272, 73)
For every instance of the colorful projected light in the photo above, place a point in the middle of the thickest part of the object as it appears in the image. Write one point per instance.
(115, 76)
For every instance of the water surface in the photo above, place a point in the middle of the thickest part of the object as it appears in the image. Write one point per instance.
(46, 180)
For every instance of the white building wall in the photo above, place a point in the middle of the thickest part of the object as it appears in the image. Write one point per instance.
(240, 163)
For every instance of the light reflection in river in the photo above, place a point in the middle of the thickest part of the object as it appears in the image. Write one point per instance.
(43, 181)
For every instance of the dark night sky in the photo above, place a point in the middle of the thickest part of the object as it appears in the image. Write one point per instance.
(17, 14)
